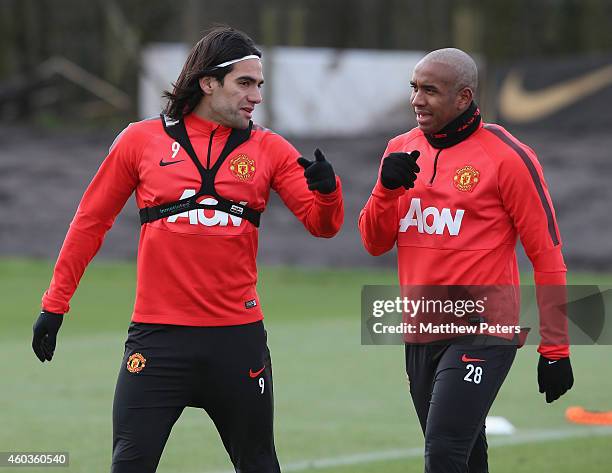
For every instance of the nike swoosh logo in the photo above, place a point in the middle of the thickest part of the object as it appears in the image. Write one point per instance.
(257, 373)
(552, 362)
(168, 163)
(467, 359)
(524, 106)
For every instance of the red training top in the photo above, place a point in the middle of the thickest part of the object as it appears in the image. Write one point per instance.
(460, 223)
(197, 268)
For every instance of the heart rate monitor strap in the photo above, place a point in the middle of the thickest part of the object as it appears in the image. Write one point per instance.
(176, 130)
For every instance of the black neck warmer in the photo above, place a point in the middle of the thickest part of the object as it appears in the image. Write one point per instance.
(457, 130)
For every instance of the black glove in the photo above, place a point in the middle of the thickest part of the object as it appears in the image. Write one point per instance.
(45, 334)
(399, 169)
(319, 173)
(555, 377)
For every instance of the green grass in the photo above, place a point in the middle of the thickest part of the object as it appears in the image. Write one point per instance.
(334, 397)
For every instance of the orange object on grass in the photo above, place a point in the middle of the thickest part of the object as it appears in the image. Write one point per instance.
(580, 415)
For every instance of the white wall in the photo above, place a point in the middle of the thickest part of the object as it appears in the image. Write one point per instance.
(161, 64)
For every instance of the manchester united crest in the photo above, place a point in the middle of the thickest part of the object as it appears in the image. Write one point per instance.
(136, 363)
(466, 178)
(242, 167)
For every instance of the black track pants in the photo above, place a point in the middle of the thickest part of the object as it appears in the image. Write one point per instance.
(453, 388)
(224, 370)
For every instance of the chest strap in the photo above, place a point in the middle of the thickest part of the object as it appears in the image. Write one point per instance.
(176, 130)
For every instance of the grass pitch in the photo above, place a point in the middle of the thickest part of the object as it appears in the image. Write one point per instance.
(340, 407)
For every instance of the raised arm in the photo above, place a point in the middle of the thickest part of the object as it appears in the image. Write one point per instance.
(379, 219)
(321, 210)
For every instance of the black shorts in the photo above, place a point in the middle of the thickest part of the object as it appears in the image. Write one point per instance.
(226, 371)
(453, 388)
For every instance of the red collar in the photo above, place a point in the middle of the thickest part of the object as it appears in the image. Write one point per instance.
(206, 126)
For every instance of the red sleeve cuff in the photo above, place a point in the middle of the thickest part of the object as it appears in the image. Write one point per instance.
(382, 192)
(332, 197)
(554, 352)
(50, 304)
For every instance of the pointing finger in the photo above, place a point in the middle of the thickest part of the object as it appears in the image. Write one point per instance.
(319, 155)
(304, 162)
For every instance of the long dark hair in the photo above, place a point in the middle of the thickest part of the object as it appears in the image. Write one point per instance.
(220, 44)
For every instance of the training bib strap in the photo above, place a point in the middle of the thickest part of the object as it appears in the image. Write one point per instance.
(176, 130)
(150, 214)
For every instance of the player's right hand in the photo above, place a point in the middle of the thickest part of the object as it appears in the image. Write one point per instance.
(399, 169)
(45, 334)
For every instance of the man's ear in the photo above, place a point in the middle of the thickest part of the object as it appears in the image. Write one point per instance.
(207, 84)
(464, 98)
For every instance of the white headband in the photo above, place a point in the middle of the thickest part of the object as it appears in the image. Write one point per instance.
(227, 63)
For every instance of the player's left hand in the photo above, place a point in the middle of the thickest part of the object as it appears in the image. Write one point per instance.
(319, 173)
(555, 377)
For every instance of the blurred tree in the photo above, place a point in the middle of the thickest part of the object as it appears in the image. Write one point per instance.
(467, 28)
(296, 24)
(192, 17)
(104, 37)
